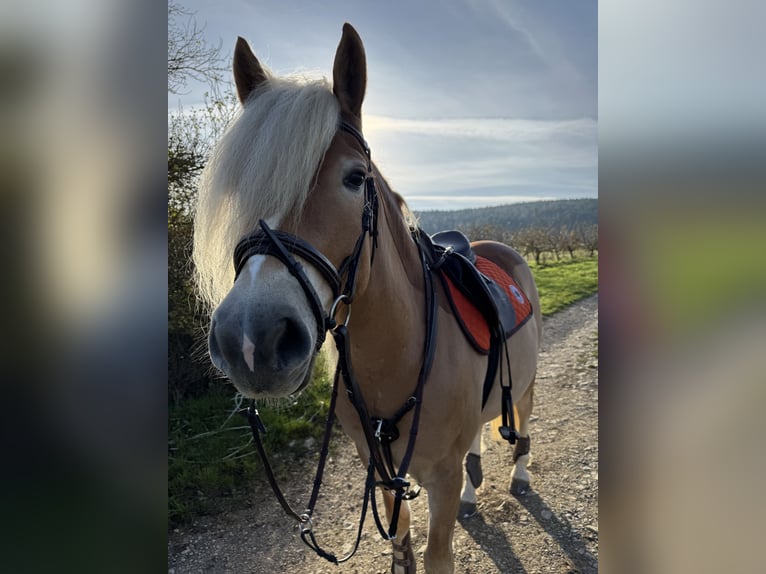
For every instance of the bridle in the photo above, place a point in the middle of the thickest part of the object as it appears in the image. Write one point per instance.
(283, 245)
(379, 432)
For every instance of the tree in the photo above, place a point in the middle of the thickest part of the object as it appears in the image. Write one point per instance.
(191, 134)
(555, 240)
(189, 142)
(533, 241)
(567, 240)
(589, 238)
(189, 54)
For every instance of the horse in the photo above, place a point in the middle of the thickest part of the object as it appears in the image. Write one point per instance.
(285, 190)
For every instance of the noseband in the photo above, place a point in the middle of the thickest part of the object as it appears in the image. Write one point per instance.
(379, 433)
(283, 246)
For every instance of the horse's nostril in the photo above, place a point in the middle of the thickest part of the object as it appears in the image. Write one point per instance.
(292, 343)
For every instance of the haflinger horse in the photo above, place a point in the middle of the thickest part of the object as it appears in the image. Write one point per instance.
(317, 233)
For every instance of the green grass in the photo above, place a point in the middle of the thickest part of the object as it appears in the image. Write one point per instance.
(561, 283)
(210, 454)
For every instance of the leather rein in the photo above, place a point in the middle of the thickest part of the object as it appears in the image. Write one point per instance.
(379, 433)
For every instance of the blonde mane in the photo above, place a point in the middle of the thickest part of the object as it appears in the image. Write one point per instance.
(262, 167)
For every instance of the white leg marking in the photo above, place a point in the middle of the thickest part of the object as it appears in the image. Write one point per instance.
(520, 469)
(248, 348)
(469, 492)
(476, 444)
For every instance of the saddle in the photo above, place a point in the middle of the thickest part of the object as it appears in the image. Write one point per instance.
(487, 303)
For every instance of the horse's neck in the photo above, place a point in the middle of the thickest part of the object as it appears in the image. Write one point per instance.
(388, 322)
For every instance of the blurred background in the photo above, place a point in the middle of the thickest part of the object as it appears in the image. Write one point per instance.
(83, 204)
(82, 130)
(682, 282)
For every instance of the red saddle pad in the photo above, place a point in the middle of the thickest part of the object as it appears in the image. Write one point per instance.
(471, 320)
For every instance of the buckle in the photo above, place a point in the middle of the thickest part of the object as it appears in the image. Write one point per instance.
(412, 494)
(385, 431)
(306, 525)
(443, 257)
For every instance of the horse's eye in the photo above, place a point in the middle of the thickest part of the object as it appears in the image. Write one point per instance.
(355, 180)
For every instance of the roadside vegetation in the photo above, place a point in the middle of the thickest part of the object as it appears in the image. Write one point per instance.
(561, 283)
(210, 447)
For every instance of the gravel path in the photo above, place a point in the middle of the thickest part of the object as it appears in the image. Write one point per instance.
(553, 529)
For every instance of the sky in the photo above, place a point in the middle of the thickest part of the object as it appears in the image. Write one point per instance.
(469, 103)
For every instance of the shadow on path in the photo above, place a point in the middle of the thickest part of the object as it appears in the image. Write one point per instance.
(494, 542)
(497, 546)
(562, 532)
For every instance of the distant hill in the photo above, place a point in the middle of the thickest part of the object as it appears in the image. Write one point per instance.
(564, 213)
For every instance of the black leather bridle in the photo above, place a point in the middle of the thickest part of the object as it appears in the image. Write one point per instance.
(379, 432)
(282, 245)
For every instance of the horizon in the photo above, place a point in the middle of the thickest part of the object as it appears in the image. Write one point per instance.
(521, 202)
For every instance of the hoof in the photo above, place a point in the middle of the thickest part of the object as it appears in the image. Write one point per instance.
(467, 509)
(519, 487)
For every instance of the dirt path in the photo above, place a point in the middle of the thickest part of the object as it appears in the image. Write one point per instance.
(554, 529)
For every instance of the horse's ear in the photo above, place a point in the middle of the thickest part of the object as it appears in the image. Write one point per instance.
(248, 73)
(349, 73)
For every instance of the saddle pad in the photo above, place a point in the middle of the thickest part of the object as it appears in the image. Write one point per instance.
(469, 317)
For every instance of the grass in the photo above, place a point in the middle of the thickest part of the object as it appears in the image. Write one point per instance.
(561, 283)
(210, 453)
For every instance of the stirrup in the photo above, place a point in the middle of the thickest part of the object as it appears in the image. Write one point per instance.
(508, 434)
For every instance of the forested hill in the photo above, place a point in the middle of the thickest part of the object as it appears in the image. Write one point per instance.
(559, 214)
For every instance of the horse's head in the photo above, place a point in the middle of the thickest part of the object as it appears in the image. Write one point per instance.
(283, 160)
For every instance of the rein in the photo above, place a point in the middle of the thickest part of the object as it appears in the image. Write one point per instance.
(379, 433)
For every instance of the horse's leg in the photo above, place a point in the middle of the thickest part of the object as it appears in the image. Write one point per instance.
(473, 478)
(404, 558)
(443, 503)
(519, 475)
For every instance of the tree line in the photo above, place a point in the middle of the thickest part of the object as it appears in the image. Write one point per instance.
(558, 214)
(540, 243)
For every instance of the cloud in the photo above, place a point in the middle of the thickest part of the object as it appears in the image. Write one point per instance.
(464, 161)
(502, 129)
